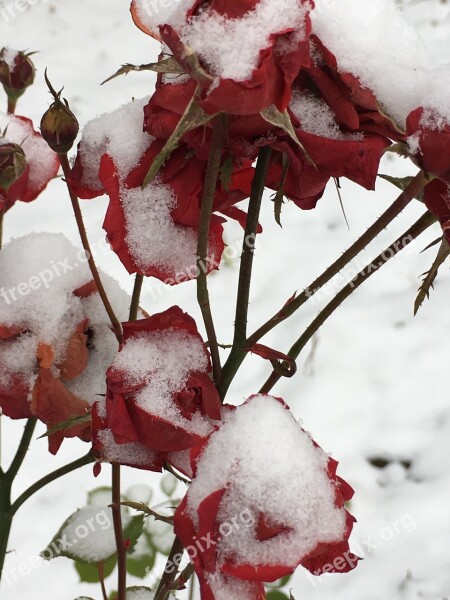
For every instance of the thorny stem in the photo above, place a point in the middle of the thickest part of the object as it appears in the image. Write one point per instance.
(411, 234)
(209, 190)
(86, 246)
(53, 476)
(118, 532)
(236, 358)
(170, 571)
(245, 271)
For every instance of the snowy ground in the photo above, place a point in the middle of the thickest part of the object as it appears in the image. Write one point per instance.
(375, 385)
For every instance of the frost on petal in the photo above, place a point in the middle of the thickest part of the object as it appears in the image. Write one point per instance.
(119, 134)
(159, 392)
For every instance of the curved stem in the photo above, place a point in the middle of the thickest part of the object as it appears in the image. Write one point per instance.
(412, 191)
(86, 246)
(245, 271)
(21, 450)
(118, 532)
(411, 234)
(53, 476)
(209, 191)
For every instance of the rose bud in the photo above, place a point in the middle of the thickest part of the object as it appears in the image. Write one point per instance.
(59, 126)
(16, 72)
(13, 164)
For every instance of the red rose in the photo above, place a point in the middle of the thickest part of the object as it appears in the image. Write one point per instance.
(159, 392)
(42, 164)
(429, 141)
(107, 449)
(55, 339)
(264, 499)
(211, 39)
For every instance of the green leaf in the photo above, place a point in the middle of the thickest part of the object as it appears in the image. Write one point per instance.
(278, 199)
(168, 65)
(140, 492)
(88, 535)
(100, 496)
(280, 582)
(430, 276)
(142, 560)
(168, 484)
(80, 420)
(132, 531)
(194, 116)
(89, 573)
(282, 120)
(401, 183)
(276, 595)
(139, 593)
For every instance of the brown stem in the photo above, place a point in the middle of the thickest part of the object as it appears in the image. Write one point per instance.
(137, 289)
(209, 191)
(411, 234)
(412, 191)
(86, 246)
(118, 532)
(170, 571)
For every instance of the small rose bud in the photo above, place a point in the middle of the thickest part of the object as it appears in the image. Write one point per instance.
(16, 72)
(13, 164)
(59, 126)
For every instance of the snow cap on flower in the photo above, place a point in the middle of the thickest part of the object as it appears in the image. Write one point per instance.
(42, 163)
(55, 339)
(159, 390)
(152, 230)
(268, 496)
(244, 55)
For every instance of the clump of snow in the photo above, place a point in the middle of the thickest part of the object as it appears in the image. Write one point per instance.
(231, 47)
(37, 298)
(40, 159)
(90, 532)
(269, 466)
(316, 117)
(119, 134)
(153, 14)
(9, 57)
(396, 65)
(162, 361)
(152, 236)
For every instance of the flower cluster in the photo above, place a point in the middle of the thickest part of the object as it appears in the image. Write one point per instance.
(236, 81)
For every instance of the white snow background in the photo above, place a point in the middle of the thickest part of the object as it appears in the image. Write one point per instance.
(376, 384)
